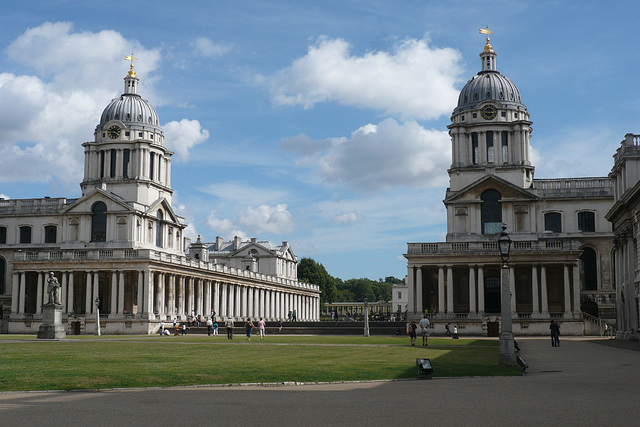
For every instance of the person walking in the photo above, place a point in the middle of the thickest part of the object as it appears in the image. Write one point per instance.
(455, 332)
(261, 328)
(209, 326)
(248, 326)
(161, 328)
(424, 325)
(448, 333)
(215, 329)
(294, 316)
(555, 333)
(229, 325)
(412, 332)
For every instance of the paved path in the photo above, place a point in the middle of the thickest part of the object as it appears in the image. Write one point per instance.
(585, 382)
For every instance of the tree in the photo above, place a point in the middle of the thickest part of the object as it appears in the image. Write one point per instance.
(312, 272)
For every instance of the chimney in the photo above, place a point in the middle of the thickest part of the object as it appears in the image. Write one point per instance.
(219, 243)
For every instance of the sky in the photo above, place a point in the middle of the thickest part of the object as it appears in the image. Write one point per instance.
(320, 123)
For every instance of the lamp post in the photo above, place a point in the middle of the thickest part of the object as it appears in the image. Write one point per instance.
(366, 318)
(507, 351)
(97, 301)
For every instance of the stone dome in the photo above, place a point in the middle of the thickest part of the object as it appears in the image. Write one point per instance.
(131, 110)
(486, 86)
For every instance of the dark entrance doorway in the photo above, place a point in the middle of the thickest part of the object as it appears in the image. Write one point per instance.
(493, 329)
(492, 294)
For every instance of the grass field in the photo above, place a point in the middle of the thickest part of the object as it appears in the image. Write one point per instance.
(92, 362)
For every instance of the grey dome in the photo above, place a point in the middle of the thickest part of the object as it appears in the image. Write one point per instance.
(131, 110)
(485, 86)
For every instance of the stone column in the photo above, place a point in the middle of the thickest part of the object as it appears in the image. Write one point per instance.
(247, 298)
(39, 295)
(512, 288)
(207, 297)
(96, 290)
(15, 292)
(472, 290)
(441, 306)
(224, 306)
(577, 312)
(140, 300)
(449, 289)
(410, 290)
(419, 307)
(114, 294)
(23, 285)
(544, 300)
(216, 298)
(231, 305)
(480, 290)
(534, 292)
(238, 301)
(63, 292)
(567, 292)
(70, 292)
(88, 301)
(147, 296)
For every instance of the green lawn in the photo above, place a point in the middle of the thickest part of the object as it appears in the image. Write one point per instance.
(152, 361)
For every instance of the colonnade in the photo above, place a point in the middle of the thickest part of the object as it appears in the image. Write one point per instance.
(537, 301)
(150, 294)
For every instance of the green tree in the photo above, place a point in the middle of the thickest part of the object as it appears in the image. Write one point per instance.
(312, 272)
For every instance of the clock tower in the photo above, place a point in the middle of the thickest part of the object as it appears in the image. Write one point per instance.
(490, 129)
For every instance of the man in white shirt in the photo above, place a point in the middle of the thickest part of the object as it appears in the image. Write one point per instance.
(424, 324)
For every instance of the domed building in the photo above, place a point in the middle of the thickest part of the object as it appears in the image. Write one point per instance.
(120, 248)
(560, 264)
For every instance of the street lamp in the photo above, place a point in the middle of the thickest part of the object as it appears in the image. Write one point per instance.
(507, 351)
(366, 318)
(97, 301)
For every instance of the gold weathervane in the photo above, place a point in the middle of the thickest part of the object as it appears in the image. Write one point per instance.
(487, 31)
(131, 58)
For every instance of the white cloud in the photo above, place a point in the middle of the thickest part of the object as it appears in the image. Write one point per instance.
(413, 81)
(183, 135)
(207, 48)
(347, 218)
(46, 116)
(223, 226)
(380, 156)
(271, 219)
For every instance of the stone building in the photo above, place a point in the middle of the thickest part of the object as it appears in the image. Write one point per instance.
(561, 256)
(122, 243)
(625, 217)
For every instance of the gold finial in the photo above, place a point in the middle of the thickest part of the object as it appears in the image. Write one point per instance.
(131, 58)
(487, 46)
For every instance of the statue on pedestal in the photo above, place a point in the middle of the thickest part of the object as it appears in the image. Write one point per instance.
(53, 289)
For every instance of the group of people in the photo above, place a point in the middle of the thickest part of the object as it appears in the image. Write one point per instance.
(292, 316)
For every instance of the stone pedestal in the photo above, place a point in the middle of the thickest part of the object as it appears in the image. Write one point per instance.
(52, 328)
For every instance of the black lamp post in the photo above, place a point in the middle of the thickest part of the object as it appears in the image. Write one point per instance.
(507, 351)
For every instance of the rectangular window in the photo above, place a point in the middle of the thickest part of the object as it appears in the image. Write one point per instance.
(474, 147)
(586, 222)
(489, 138)
(127, 133)
(25, 234)
(126, 154)
(399, 294)
(3, 235)
(101, 164)
(553, 222)
(151, 165)
(114, 159)
(50, 234)
(505, 147)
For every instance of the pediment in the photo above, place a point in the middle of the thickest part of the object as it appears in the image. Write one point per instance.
(506, 189)
(85, 203)
(169, 214)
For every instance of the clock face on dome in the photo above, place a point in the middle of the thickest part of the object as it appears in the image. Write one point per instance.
(113, 132)
(489, 112)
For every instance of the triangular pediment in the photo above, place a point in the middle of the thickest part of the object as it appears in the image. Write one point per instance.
(506, 189)
(85, 203)
(167, 209)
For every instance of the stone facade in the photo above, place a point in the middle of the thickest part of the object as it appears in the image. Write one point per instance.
(122, 243)
(560, 264)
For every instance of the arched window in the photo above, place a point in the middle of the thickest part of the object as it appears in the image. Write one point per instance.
(491, 212)
(99, 222)
(589, 269)
(553, 222)
(159, 229)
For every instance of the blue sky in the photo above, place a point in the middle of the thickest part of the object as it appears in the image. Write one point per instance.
(322, 123)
